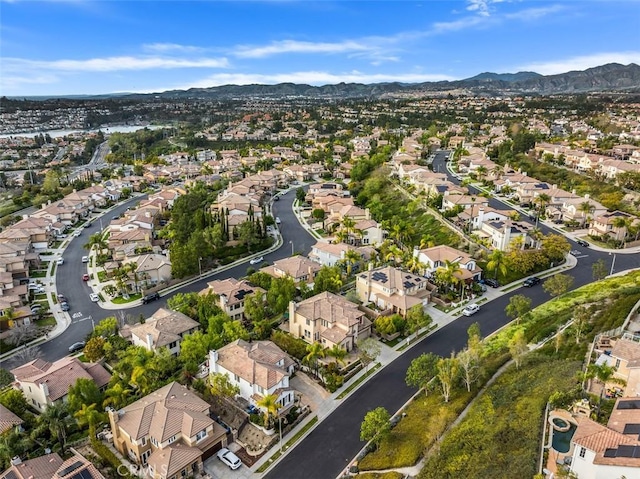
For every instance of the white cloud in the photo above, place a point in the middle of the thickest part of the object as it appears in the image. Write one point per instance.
(292, 46)
(311, 78)
(479, 6)
(534, 13)
(581, 62)
(108, 64)
(172, 47)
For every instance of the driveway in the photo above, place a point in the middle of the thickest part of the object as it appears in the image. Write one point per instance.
(312, 393)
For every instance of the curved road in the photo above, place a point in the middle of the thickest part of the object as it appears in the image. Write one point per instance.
(328, 449)
(69, 277)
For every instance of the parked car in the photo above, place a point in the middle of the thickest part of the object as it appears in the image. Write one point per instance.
(575, 252)
(470, 309)
(229, 458)
(278, 220)
(76, 347)
(77, 232)
(60, 261)
(64, 306)
(531, 281)
(492, 282)
(85, 277)
(35, 307)
(94, 297)
(150, 297)
(62, 298)
(582, 243)
(85, 259)
(257, 260)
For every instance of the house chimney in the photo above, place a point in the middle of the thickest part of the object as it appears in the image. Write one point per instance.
(15, 460)
(587, 196)
(150, 341)
(45, 389)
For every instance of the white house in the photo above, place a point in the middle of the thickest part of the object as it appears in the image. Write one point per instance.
(259, 368)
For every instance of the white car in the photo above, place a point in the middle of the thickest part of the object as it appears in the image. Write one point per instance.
(471, 309)
(229, 458)
(94, 297)
(278, 220)
(77, 233)
(85, 259)
(60, 261)
(257, 260)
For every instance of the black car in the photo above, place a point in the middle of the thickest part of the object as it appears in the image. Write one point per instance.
(150, 297)
(582, 243)
(492, 282)
(64, 306)
(531, 281)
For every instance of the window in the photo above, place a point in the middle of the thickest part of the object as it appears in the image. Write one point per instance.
(172, 345)
(201, 435)
(583, 451)
(171, 439)
(183, 473)
(307, 334)
(236, 378)
(144, 440)
(153, 441)
(308, 323)
(260, 389)
(617, 363)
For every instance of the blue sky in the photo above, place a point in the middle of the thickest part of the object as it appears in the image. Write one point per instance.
(62, 47)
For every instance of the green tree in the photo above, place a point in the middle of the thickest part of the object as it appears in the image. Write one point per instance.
(555, 247)
(269, 404)
(14, 401)
(448, 370)
(222, 388)
(518, 347)
(254, 307)
(328, 278)
(519, 305)
(368, 350)
(300, 195)
(107, 327)
(469, 363)
(88, 415)
(281, 292)
(84, 392)
(581, 316)
(194, 349)
(376, 426)
(417, 319)
(558, 284)
(318, 214)
(599, 270)
(315, 351)
(421, 371)
(117, 396)
(56, 418)
(94, 349)
(338, 353)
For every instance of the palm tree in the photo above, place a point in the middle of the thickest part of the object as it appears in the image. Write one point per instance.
(603, 373)
(394, 254)
(116, 396)
(586, 208)
(621, 223)
(481, 172)
(315, 351)
(270, 406)
(56, 418)
(97, 242)
(542, 200)
(90, 416)
(338, 353)
(351, 258)
(447, 274)
(497, 263)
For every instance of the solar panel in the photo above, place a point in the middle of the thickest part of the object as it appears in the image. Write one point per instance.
(241, 294)
(629, 404)
(625, 451)
(610, 452)
(380, 276)
(408, 284)
(632, 429)
(70, 468)
(84, 474)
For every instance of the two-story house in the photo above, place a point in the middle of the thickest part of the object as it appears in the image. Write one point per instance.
(605, 225)
(624, 356)
(300, 268)
(231, 294)
(437, 257)
(44, 383)
(392, 289)
(164, 329)
(603, 452)
(169, 430)
(258, 368)
(328, 319)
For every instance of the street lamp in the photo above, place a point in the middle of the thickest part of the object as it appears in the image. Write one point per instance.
(93, 325)
(280, 427)
(613, 263)
(291, 243)
(200, 265)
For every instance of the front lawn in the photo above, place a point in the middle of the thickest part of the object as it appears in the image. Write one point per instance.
(121, 300)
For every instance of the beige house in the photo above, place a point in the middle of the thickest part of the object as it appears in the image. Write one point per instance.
(437, 257)
(300, 268)
(232, 293)
(151, 268)
(170, 430)
(8, 420)
(604, 225)
(625, 358)
(44, 383)
(392, 289)
(164, 329)
(328, 319)
(259, 368)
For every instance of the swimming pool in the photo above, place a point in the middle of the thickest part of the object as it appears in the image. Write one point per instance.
(561, 440)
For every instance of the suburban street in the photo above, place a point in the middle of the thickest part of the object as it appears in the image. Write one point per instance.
(327, 450)
(83, 311)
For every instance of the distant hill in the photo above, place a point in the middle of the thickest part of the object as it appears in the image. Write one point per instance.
(505, 77)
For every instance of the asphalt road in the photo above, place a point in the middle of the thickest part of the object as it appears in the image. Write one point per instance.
(328, 449)
(83, 311)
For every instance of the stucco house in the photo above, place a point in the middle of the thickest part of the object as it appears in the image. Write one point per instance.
(437, 257)
(231, 295)
(392, 289)
(164, 329)
(258, 368)
(44, 383)
(170, 430)
(300, 268)
(328, 319)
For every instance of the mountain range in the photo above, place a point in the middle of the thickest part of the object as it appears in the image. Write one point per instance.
(612, 77)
